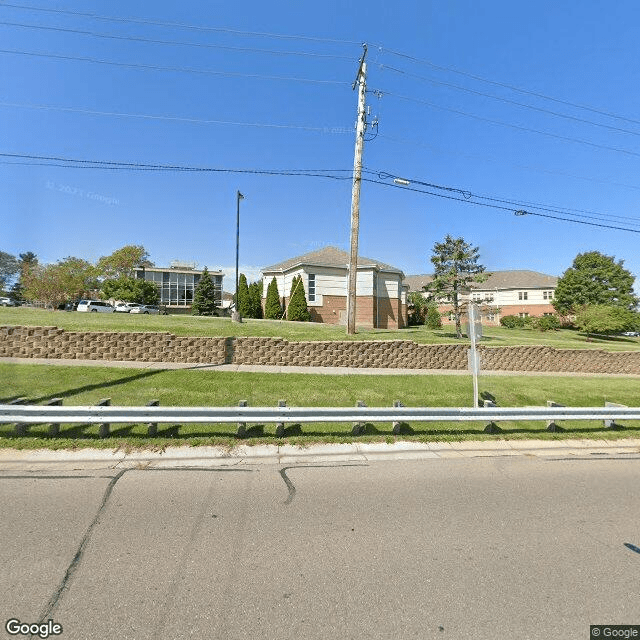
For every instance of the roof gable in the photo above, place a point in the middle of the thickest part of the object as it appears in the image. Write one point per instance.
(328, 257)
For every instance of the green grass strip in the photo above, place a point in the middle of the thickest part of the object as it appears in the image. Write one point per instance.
(135, 387)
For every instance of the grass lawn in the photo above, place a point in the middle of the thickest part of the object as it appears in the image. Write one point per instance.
(185, 325)
(129, 387)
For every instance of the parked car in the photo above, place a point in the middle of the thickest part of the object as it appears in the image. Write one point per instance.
(631, 334)
(126, 307)
(7, 302)
(149, 309)
(95, 306)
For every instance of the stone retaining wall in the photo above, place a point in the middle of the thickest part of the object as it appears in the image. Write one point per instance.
(51, 342)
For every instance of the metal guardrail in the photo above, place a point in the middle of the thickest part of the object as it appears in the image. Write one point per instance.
(33, 414)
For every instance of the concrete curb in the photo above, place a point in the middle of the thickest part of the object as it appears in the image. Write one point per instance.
(203, 457)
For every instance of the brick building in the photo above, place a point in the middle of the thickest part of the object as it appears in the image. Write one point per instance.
(504, 293)
(381, 300)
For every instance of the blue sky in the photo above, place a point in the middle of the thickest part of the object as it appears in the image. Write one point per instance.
(433, 68)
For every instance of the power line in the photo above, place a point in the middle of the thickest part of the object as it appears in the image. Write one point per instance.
(526, 167)
(508, 101)
(513, 126)
(181, 25)
(471, 200)
(94, 34)
(75, 163)
(152, 67)
(147, 116)
(505, 85)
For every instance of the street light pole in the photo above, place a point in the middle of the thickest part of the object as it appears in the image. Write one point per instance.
(235, 316)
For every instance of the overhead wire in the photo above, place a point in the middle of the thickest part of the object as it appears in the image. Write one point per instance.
(173, 42)
(148, 116)
(508, 101)
(513, 126)
(153, 67)
(505, 85)
(463, 195)
(499, 207)
(179, 25)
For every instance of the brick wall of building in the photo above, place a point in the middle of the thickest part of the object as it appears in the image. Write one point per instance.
(51, 342)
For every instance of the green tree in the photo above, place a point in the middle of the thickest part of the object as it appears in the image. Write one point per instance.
(123, 261)
(272, 306)
(456, 267)
(605, 319)
(67, 279)
(594, 279)
(418, 306)
(126, 289)
(9, 267)
(433, 319)
(255, 299)
(26, 262)
(243, 304)
(297, 308)
(204, 296)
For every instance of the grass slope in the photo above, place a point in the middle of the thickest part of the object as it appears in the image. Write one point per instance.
(184, 325)
(128, 387)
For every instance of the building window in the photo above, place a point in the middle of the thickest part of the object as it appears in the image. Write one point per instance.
(523, 314)
(477, 297)
(312, 287)
(547, 295)
(523, 295)
(490, 317)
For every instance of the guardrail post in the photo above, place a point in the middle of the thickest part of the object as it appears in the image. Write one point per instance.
(242, 426)
(152, 427)
(397, 426)
(491, 427)
(21, 428)
(358, 427)
(551, 424)
(54, 427)
(280, 425)
(103, 430)
(611, 424)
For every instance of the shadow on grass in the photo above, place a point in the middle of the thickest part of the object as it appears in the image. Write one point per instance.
(92, 387)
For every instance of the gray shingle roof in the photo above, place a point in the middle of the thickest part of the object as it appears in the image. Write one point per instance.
(328, 257)
(518, 279)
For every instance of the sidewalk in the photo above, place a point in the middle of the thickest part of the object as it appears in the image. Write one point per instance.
(254, 368)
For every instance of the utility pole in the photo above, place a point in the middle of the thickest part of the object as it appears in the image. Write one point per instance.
(361, 127)
(235, 315)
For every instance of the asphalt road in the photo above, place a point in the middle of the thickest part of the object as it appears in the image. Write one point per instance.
(495, 548)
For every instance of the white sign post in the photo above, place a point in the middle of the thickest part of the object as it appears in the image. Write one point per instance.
(474, 332)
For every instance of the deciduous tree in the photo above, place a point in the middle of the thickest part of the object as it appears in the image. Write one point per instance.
(594, 279)
(123, 261)
(605, 319)
(126, 289)
(9, 267)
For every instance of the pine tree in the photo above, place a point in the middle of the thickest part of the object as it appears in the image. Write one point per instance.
(297, 309)
(244, 304)
(272, 307)
(456, 267)
(433, 319)
(204, 296)
(255, 299)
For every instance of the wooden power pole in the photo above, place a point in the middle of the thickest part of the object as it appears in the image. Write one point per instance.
(361, 126)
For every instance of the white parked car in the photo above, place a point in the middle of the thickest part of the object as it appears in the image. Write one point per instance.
(147, 309)
(7, 302)
(126, 307)
(95, 306)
